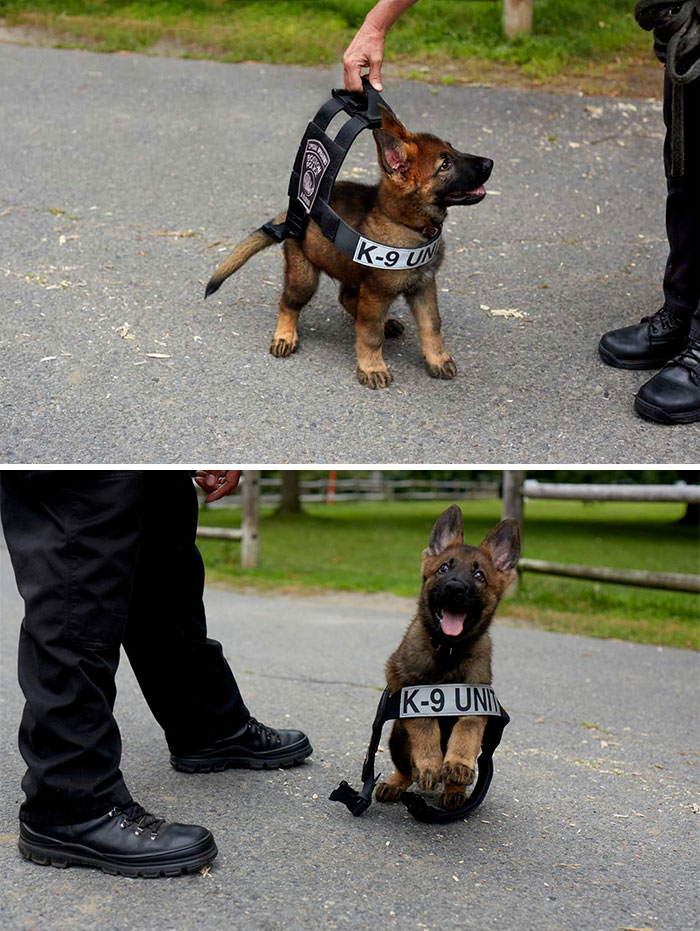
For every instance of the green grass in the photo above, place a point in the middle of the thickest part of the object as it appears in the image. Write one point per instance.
(566, 34)
(376, 547)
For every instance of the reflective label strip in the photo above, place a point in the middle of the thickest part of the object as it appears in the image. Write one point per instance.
(427, 701)
(379, 255)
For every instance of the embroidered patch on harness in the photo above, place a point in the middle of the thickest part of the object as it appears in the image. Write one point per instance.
(313, 167)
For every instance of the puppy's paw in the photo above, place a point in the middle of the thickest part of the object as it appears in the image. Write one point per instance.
(426, 779)
(281, 347)
(393, 328)
(388, 793)
(458, 773)
(446, 369)
(453, 797)
(375, 378)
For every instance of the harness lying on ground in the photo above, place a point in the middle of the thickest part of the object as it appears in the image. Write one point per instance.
(452, 700)
(317, 163)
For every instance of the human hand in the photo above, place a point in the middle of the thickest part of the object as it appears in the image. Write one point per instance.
(365, 51)
(219, 482)
(367, 48)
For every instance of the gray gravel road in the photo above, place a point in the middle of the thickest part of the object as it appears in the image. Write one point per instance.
(111, 355)
(590, 823)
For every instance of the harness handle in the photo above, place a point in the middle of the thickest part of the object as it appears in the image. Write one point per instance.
(365, 104)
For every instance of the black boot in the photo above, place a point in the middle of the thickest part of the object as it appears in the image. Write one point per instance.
(673, 394)
(255, 746)
(127, 841)
(646, 345)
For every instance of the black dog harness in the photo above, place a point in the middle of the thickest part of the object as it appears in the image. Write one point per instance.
(317, 163)
(453, 700)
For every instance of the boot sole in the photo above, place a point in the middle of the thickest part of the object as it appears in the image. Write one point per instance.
(659, 415)
(66, 856)
(641, 365)
(193, 765)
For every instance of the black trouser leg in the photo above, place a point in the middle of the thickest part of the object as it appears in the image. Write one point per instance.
(73, 541)
(104, 558)
(682, 275)
(184, 676)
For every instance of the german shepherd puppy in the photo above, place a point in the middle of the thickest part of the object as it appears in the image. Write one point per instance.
(421, 177)
(448, 641)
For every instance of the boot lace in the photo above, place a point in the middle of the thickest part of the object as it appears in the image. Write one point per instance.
(662, 320)
(690, 359)
(136, 814)
(261, 730)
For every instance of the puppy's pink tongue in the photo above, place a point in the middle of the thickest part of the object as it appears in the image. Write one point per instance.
(478, 190)
(452, 624)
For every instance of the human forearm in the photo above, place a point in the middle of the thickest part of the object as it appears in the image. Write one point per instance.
(384, 14)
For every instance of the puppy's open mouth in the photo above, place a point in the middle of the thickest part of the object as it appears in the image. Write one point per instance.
(466, 197)
(451, 623)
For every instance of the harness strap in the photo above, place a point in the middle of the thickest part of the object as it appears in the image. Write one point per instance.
(327, 111)
(389, 707)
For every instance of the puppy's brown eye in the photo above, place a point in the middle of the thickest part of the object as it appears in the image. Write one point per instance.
(479, 575)
(444, 567)
(446, 165)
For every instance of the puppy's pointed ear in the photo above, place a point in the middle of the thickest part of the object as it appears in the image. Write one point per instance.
(502, 546)
(391, 124)
(448, 531)
(392, 152)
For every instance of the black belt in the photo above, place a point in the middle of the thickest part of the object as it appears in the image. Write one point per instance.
(393, 706)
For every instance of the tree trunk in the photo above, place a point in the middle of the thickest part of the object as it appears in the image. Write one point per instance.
(512, 496)
(692, 514)
(289, 500)
(512, 507)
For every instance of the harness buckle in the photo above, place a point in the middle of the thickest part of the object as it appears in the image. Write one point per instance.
(356, 803)
(296, 222)
(292, 228)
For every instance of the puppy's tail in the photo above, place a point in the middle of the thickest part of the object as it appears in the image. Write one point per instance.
(245, 250)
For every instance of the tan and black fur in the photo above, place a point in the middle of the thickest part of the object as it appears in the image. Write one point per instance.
(421, 177)
(457, 579)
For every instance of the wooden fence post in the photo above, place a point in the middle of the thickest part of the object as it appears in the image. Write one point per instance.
(250, 493)
(517, 17)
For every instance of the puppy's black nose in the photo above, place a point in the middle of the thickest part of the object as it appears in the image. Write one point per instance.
(454, 589)
(487, 165)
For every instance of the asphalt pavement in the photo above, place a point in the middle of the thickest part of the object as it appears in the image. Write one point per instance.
(127, 178)
(590, 823)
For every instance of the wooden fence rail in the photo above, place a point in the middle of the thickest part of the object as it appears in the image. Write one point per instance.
(689, 494)
(220, 533)
(673, 581)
